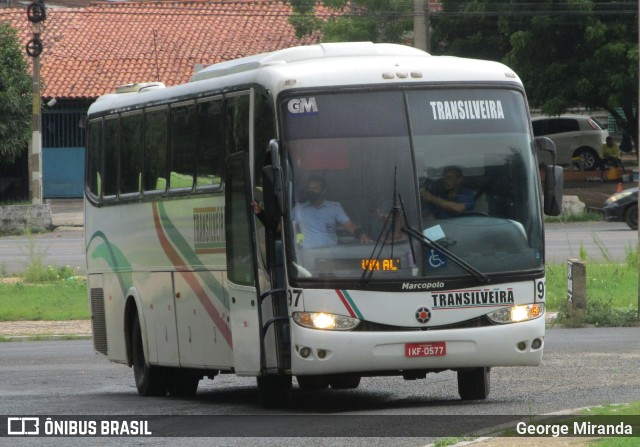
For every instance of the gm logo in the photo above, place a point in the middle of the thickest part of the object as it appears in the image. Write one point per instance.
(302, 106)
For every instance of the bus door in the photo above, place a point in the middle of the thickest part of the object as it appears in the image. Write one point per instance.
(254, 352)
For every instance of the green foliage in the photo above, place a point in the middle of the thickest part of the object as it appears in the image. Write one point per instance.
(568, 54)
(445, 442)
(612, 293)
(15, 97)
(359, 20)
(61, 300)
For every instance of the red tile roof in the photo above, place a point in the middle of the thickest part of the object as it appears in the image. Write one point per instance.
(90, 51)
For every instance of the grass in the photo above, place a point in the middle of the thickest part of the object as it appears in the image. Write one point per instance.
(54, 293)
(60, 300)
(612, 290)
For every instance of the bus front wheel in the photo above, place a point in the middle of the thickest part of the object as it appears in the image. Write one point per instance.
(474, 384)
(344, 382)
(150, 380)
(312, 383)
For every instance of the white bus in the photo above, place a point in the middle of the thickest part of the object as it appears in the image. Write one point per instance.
(185, 282)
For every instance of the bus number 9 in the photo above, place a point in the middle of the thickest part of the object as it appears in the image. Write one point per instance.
(540, 290)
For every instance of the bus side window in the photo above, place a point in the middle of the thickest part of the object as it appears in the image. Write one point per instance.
(210, 144)
(94, 165)
(237, 123)
(183, 148)
(155, 150)
(111, 148)
(131, 153)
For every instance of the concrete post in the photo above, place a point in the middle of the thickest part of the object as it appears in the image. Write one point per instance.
(576, 289)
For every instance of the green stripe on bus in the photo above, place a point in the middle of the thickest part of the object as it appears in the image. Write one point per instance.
(353, 305)
(190, 257)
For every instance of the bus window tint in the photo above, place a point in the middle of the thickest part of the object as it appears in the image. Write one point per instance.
(210, 144)
(95, 157)
(155, 151)
(131, 153)
(112, 143)
(237, 123)
(183, 150)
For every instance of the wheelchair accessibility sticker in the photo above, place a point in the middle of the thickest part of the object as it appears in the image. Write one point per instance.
(436, 259)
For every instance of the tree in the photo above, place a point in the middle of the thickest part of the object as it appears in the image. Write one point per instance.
(568, 53)
(355, 20)
(476, 29)
(15, 97)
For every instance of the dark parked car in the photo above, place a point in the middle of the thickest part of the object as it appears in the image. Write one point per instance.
(623, 207)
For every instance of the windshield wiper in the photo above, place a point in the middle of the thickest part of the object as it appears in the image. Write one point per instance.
(455, 258)
(388, 229)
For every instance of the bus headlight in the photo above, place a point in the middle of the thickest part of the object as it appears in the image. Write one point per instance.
(516, 314)
(322, 320)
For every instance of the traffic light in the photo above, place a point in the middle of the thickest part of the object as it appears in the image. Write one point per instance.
(36, 12)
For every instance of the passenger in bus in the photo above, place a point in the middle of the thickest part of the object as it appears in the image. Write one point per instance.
(448, 198)
(316, 219)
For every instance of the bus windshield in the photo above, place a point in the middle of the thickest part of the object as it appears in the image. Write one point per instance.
(410, 184)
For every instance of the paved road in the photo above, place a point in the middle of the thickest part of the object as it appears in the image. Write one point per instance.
(57, 248)
(563, 241)
(600, 240)
(581, 367)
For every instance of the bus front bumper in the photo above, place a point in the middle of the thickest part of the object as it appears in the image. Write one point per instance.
(328, 352)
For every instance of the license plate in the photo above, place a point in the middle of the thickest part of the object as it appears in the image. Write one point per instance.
(433, 349)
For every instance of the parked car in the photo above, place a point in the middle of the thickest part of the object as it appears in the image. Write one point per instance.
(623, 207)
(577, 138)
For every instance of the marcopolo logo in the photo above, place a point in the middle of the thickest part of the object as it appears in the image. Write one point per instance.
(302, 106)
(422, 285)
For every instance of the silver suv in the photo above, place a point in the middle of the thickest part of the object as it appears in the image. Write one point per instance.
(577, 138)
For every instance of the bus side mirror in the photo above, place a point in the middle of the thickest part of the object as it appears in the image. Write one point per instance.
(547, 145)
(553, 179)
(273, 182)
(553, 190)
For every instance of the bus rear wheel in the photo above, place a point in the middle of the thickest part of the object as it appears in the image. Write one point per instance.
(474, 384)
(274, 391)
(150, 380)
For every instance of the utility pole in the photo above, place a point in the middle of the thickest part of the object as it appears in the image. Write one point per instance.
(421, 25)
(638, 157)
(36, 14)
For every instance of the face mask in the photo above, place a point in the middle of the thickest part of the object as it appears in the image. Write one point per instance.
(312, 196)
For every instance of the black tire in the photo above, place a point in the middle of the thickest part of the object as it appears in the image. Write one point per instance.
(344, 382)
(590, 158)
(631, 216)
(274, 391)
(183, 383)
(474, 384)
(312, 383)
(150, 380)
